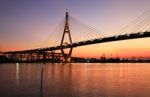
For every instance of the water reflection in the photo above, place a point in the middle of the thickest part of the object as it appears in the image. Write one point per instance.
(57, 80)
(75, 80)
(17, 73)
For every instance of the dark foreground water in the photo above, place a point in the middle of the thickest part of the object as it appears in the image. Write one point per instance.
(75, 80)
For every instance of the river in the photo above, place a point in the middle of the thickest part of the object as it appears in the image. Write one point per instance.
(75, 80)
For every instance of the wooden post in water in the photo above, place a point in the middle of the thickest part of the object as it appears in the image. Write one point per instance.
(42, 82)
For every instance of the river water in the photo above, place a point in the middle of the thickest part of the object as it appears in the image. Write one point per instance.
(75, 80)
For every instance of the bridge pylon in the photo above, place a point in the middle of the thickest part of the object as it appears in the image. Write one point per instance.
(66, 57)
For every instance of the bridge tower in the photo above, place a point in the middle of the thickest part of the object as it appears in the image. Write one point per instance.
(67, 57)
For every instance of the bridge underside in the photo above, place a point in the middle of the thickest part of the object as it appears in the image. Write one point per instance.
(33, 57)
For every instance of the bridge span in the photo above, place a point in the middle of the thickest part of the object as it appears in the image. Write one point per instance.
(87, 42)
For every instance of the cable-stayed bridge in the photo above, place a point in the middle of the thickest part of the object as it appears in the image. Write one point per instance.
(139, 28)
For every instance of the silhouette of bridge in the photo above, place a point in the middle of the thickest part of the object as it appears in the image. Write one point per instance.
(48, 54)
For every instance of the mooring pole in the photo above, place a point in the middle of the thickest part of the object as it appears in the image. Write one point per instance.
(42, 82)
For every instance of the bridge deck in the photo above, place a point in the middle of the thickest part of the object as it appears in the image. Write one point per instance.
(87, 42)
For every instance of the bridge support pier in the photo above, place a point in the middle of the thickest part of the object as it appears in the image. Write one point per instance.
(67, 57)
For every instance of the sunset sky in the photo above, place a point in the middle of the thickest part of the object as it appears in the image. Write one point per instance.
(29, 24)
